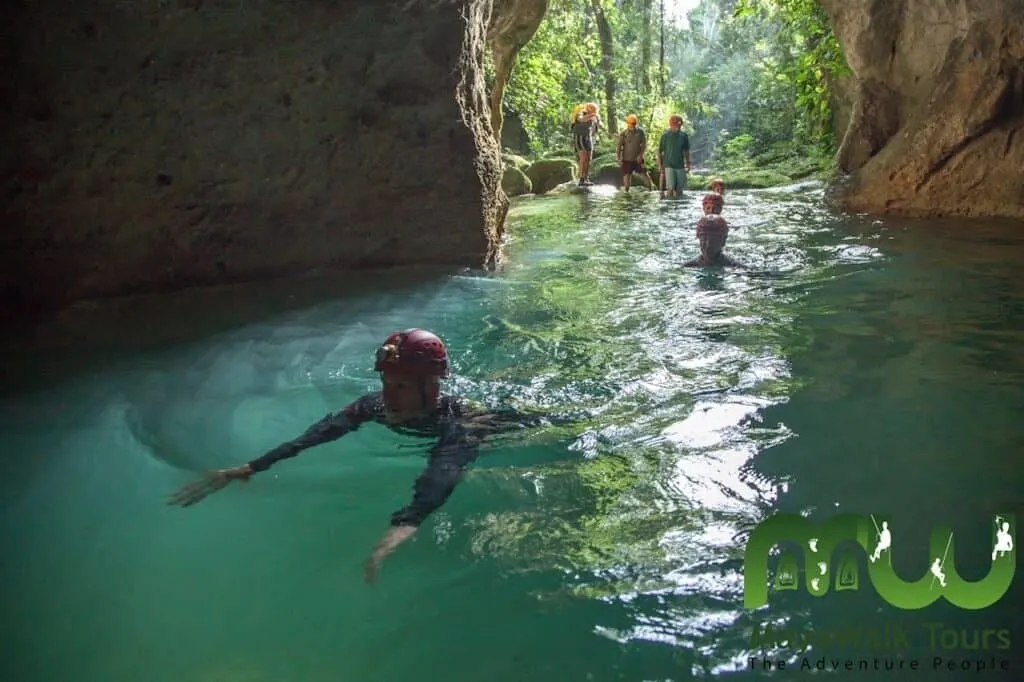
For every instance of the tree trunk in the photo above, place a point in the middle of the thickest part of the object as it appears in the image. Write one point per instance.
(645, 48)
(661, 63)
(604, 32)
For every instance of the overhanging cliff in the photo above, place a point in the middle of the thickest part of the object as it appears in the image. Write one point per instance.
(157, 144)
(937, 126)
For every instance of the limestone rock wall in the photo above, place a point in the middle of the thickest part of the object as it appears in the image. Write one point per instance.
(513, 23)
(937, 125)
(155, 144)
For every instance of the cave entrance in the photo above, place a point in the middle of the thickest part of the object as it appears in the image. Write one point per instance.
(760, 84)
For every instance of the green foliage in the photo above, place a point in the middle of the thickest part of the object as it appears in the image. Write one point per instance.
(555, 71)
(807, 54)
(750, 77)
(735, 149)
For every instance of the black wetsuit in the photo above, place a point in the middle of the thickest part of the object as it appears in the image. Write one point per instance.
(583, 135)
(721, 260)
(459, 433)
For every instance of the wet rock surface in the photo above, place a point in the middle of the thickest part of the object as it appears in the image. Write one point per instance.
(937, 124)
(157, 144)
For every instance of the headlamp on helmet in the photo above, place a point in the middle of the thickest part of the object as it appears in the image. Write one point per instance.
(415, 352)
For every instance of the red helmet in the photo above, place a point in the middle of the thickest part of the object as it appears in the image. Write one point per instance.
(413, 351)
(715, 199)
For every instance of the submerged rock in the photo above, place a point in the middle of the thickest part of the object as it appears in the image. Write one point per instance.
(611, 174)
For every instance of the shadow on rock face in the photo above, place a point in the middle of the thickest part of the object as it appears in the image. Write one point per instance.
(938, 110)
(232, 142)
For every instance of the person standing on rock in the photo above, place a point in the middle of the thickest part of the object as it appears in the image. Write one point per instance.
(674, 157)
(630, 151)
(585, 124)
(411, 365)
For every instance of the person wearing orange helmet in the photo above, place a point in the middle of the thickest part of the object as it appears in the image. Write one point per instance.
(630, 150)
(674, 157)
(718, 185)
(411, 364)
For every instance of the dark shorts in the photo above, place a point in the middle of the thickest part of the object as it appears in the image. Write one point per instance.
(632, 167)
(583, 143)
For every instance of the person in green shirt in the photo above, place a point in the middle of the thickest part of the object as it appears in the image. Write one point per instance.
(674, 157)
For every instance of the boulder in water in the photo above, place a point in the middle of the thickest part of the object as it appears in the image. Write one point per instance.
(547, 174)
(515, 183)
(611, 174)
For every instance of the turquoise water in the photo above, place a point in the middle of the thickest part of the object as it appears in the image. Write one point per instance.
(861, 366)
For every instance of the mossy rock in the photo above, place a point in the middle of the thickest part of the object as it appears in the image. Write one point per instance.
(571, 187)
(611, 174)
(515, 182)
(547, 174)
(743, 178)
(699, 182)
(510, 160)
(560, 152)
(606, 174)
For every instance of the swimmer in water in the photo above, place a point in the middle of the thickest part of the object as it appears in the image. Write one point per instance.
(712, 233)
(713, 203)
(411, 364)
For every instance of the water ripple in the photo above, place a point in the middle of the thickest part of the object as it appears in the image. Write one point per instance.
(684, 392)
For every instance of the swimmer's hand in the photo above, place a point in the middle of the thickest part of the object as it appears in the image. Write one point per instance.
(195, 492)
(395, 536)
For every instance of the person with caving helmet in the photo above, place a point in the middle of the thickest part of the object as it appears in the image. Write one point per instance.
(712, 233)
(674, 157)
(713, 203)
(630, 151)
(411, 364)
(718, 185)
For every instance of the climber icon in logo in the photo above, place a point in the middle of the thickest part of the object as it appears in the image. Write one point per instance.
(874, 535)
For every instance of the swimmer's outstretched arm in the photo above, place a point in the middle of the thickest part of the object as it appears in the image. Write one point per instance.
(331, 427)
(456, 449)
